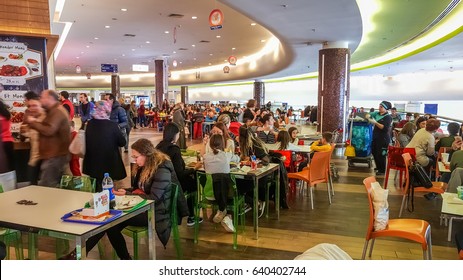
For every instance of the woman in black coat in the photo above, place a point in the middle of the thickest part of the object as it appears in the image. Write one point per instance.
(103, 140)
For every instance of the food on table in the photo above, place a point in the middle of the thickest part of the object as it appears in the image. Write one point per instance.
(15, 56)
(17, 117)
(11, 70)
(18, 104)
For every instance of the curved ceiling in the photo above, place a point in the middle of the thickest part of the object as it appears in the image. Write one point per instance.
(300, 25)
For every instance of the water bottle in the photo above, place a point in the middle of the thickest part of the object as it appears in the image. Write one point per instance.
(253, 162)
(108, 185)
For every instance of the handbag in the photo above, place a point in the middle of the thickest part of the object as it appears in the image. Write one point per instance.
(419, 177)
(77, 146)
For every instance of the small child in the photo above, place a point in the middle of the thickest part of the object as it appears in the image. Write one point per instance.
(322, 145)
(74, 164)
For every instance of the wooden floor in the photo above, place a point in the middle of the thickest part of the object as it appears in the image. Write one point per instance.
(343, 223)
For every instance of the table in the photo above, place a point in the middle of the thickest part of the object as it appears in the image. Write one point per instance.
(452, 210)
(254, 176)
(52, 204)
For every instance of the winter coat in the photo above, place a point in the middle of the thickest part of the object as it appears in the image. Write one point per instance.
(159, 188)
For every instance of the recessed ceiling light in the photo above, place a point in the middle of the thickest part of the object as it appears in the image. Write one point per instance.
(233, 48)
(174, 52)
(194, 58)
(87, 46)
(194, 17)
(253, 24)
(225, 60)
(167, 32)
(133, 49)
(107, 26)
(115, 59)
(210, 63)
(180, 62)
(123, 54)
(81, 52)
(262, 41)
(124, 9)
(193, 46)
(96, 38)
(218, 36)
(211, 54)
(77, 57)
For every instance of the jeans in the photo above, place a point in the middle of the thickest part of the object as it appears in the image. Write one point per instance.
(52, 169)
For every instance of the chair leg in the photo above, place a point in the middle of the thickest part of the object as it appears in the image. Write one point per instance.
(386, 177)
(429, 241)
(235, 225)
(329, 185)
(332, 185)
(267, 199)
(371, 247)
(311, 195)
(195, 240)
(365, 247)
(404, 198)
(178, 246)
(135, 245)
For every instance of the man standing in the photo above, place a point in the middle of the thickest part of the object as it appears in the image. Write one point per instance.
(85, 109)
(64, 98)
(118, 114)
(54, 138)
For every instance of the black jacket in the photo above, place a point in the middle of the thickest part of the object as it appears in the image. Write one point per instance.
(102, 141)
(158, 188)
(118, 115)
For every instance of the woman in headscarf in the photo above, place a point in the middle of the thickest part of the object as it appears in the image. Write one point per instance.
(178, 117)
(382, 123)
(102, 141)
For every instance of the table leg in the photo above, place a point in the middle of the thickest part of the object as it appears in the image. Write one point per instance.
(277, 192)
(151, 238)
(256, 207)
(81, 250)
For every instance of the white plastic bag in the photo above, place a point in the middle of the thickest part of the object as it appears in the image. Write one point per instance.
(380, 206)
(8, 181)
(77, 146)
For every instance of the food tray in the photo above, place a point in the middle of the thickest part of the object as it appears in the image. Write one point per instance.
(134, 202)
(72, 218)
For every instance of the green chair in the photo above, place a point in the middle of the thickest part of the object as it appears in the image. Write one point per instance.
(236, 204)
(142, 232)
(12, 237)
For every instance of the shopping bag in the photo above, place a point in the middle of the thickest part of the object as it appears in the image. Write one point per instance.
(77, 146)
(380, 205)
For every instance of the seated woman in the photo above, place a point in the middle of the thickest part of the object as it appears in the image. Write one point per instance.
(453, 129)
(406, 134)
(420, 123)
(217, 161)
(154, 174)
(219, 128)
(283, 142)
(186, 176)
(424, 143)
(293, 134)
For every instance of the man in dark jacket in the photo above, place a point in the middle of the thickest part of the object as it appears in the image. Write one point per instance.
(118, 114)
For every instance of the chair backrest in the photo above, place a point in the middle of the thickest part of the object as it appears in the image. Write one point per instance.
(173, 205)
(407, 160)
(396, 138)
(205, 187)
(78, 183)
(319, 166)
(439, 158)
(188, 153)
(367, 182)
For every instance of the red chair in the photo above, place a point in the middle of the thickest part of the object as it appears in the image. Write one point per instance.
(198, 130)
(396, 162)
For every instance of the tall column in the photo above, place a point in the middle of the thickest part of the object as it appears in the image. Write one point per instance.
(184, 94)
(259, 93)
(116, 85)
(333, 86)
(160, 68)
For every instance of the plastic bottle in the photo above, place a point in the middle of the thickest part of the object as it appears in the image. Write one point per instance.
(253, 162)
(108, 185)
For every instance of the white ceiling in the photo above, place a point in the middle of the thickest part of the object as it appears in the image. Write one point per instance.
(301, 26)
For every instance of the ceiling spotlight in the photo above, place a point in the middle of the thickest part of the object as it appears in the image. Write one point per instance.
(87, 47)
(233, 48)
(262, 41)
(77, 57)
(194, 58)
(174, 52)
(107, 26)
(81, 52)
(124, 9)
(123, 54)
(96, 38)
(210, 54)
(218, 36)
(147, 42)
(194, 17)
(180, 62)
(226, 60)
(193, 46)
(210, 63)
(133, 49)
(253, 24)
(167, 32)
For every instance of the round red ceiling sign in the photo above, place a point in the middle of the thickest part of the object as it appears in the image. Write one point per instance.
(216, 19)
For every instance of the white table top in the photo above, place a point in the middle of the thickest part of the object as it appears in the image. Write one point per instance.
(52, 204)
(451, 204)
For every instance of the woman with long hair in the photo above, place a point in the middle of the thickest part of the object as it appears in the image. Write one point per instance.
(152, 175)
(293, 134)
(220, 128)
(186, 176)
(406, 134)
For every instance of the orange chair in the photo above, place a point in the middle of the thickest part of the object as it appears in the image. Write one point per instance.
(396, 162)
(411, 229)
(437, 187)
(315, 173)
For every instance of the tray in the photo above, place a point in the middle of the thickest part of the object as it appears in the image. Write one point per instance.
(136, 202)
(72, 218)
